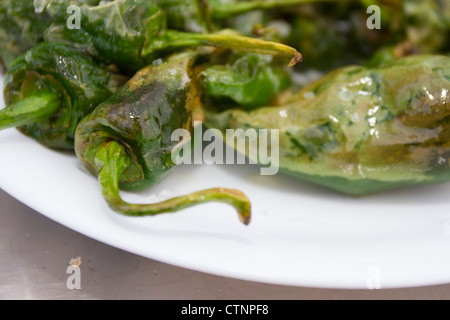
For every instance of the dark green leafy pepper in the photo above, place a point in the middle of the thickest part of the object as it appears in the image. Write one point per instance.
(335, 33)
(23, 25)
(127, 140)
(49, 89)
(133, 33)
(360, 130)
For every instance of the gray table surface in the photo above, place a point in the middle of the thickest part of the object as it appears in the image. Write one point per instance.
(35, 253)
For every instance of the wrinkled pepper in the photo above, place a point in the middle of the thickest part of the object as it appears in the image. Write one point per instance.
(23, 25)
(361, 130)
(49, 89)
(127, 140)
(133, 33)
(338, 35)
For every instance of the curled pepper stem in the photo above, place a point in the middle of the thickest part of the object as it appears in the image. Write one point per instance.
(112, 159)
(226, 39)
(31, 109)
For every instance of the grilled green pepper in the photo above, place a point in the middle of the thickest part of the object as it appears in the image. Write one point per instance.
(362, 130)
(127, 140)
(49, 89)
(247, 80)
(133, 33)
(23, 25)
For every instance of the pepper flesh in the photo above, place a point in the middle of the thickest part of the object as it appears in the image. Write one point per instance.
(127, 140)
(362, 130)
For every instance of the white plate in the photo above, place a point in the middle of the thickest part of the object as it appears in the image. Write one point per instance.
(301, 235)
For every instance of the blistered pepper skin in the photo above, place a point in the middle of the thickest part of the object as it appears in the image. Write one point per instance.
(23, 24)
(80, 82)
(362, 131)
(247, 80)
(142, 117)
(127, 141)
(127, 33)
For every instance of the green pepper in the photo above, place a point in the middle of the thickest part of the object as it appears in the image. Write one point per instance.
(49, 89)
(127, 140)
(133, 33)
(336, 35)
(361, 130)
(247, 80)
(23, 25)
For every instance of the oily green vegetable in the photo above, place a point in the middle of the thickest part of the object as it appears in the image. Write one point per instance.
(327, 40)
(49, 89)
(23, 25)
(127, 140)
(335, 34)
(247, 80)
(133, 33)
(362, 130)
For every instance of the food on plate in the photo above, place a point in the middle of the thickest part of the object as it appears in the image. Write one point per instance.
(50, 88)
(361, 130)
(245, 79)
(24, 24)
(115, 79)
(332, 34)
(127, 33)
(127, 140)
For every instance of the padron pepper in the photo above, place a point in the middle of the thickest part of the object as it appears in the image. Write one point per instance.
(361, 130)
(49, 89)
(133, 33)
(245, 79)
(127, 140)
(23, 25)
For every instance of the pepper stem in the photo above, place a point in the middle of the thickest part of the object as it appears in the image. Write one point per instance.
(31, 109)
(226, 10)
(112, 159)
(225, 39)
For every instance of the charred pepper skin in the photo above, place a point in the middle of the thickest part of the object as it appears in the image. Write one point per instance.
(76, 82)
(362, 130)
(127, 140)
